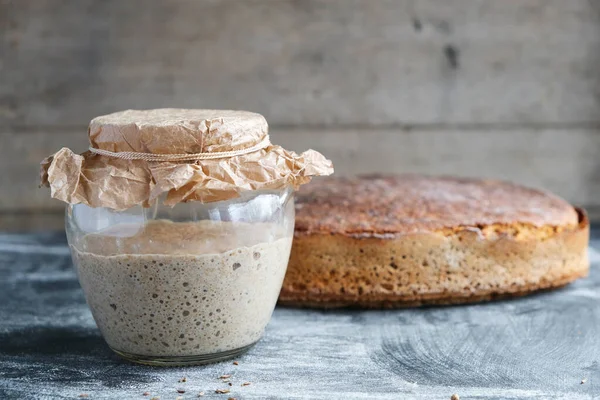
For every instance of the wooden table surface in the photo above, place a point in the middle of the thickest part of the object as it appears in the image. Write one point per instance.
(545, 346)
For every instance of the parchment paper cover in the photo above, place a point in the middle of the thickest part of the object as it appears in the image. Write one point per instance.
(105, 181)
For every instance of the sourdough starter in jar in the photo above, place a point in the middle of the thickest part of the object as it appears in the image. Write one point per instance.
(178, 289)
(164, 288)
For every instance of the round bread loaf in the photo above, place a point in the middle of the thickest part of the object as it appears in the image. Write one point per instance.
(393, 241)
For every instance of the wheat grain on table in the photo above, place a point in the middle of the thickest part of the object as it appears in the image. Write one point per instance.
(538, 347)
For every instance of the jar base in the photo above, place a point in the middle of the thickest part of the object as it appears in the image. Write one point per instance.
(182, 361)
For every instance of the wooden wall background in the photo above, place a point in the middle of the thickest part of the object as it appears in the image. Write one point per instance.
(505, 88)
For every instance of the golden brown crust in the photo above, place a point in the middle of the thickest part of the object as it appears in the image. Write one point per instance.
(532, 245)
(325, 303)
(391, 205)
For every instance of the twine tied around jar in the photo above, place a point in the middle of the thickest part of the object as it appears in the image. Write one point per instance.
(132, 155)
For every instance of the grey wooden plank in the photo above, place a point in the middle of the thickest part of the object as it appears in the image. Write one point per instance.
(32, 221)
(562, 161)
(20, 157)
(539, 347)
(306, 63)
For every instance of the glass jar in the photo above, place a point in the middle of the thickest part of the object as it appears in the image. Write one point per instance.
(188, 284)
(180, 222)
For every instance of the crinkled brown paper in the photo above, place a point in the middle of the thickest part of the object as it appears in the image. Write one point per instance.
(101, 181)
(105, 181)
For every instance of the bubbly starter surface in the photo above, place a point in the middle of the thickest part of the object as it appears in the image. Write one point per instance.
(182, 289)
